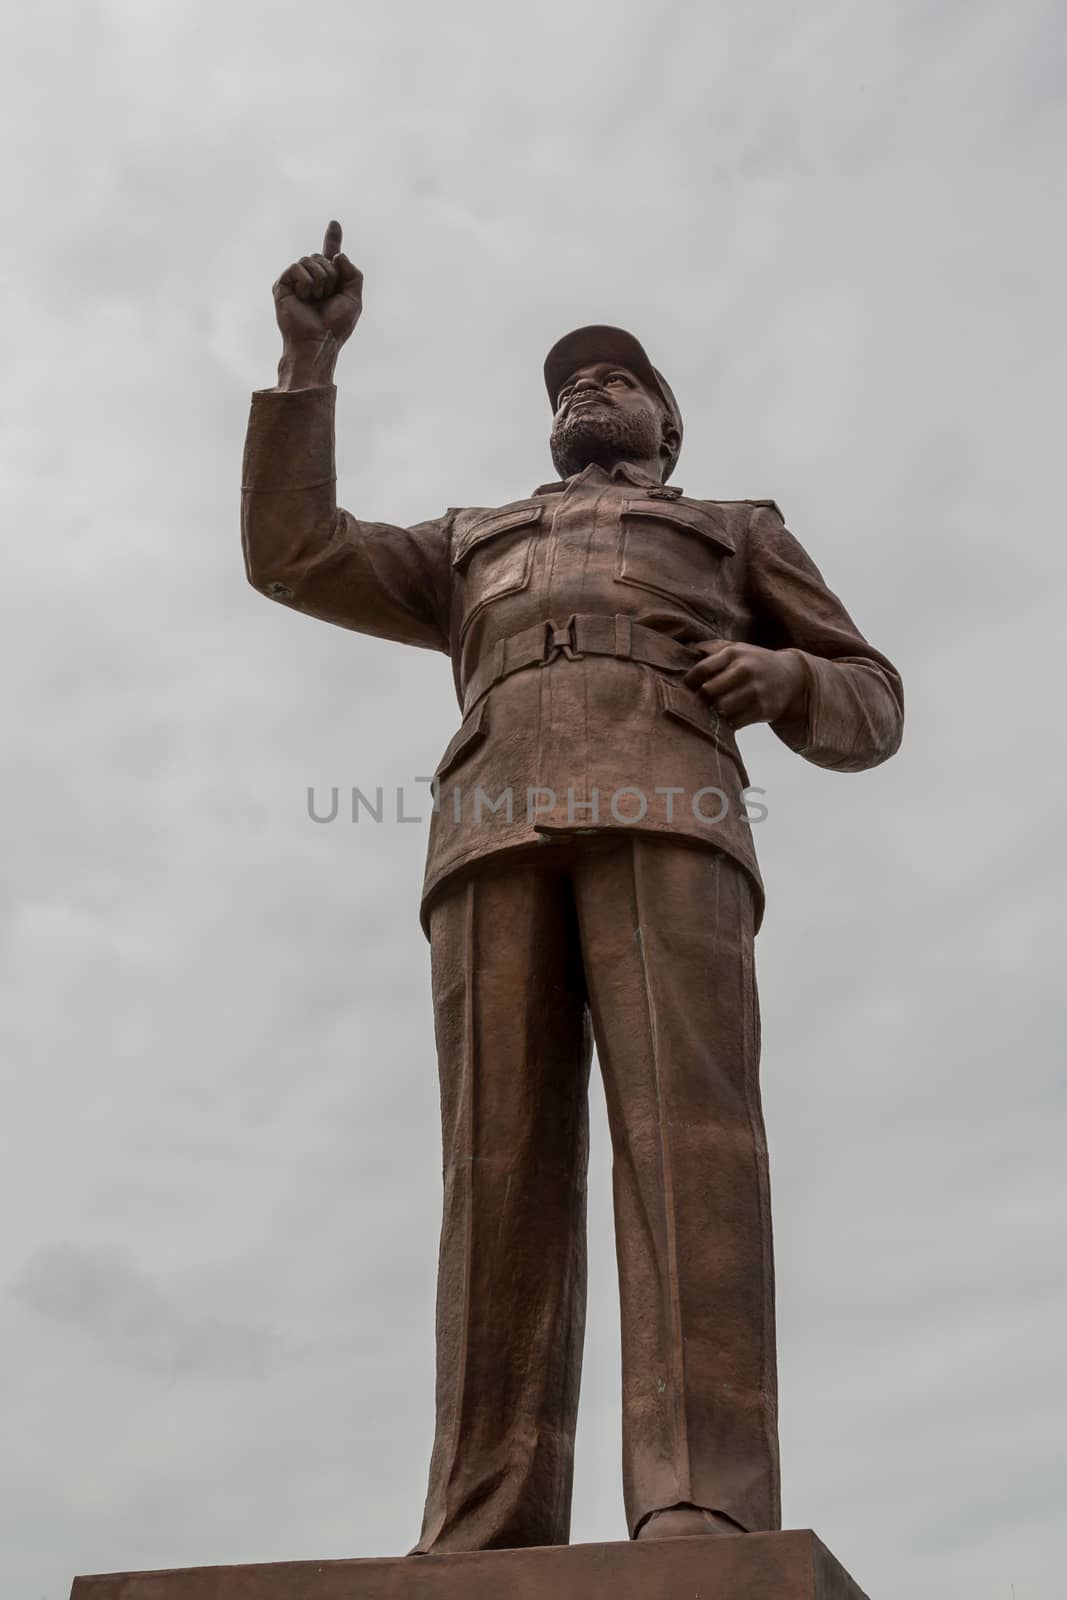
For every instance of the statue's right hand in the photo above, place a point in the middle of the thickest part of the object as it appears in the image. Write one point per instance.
(319, 295)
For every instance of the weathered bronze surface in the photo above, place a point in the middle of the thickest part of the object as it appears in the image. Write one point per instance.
(769, 1566)
(591, 876)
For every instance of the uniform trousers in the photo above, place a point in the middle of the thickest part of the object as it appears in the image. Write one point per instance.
(645, 946)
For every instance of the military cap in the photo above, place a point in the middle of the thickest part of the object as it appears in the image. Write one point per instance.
(588, 345)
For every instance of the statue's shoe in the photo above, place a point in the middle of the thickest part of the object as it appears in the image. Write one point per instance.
(687, 1522)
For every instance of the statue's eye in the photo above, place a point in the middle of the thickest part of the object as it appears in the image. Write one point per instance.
(618, 377)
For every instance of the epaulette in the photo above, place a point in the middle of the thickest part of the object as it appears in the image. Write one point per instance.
(772, 505)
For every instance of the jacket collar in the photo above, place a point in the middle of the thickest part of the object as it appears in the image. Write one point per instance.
(624, 472)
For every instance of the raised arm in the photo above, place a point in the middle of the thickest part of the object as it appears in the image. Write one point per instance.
(299, 547)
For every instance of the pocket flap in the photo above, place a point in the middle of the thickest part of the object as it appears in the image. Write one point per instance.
(690, 518)
(472, 731)
(488, 527)
(684, 705)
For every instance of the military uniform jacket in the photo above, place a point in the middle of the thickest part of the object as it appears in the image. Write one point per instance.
(570, 617)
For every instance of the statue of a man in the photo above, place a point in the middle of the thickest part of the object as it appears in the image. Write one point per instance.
(591, 876)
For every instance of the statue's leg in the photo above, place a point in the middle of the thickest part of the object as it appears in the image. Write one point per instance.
(667, 938)
(514, 1047)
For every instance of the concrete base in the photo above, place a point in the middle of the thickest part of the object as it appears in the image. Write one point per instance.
(752, 1566)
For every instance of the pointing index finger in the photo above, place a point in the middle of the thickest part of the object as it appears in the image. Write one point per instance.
(331, 244)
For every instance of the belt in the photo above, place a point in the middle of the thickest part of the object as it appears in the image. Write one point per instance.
(579, 636)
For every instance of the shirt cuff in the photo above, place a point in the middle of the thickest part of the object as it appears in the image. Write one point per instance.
(290, 440)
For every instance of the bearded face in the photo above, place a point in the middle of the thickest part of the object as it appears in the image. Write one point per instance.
(605, 417)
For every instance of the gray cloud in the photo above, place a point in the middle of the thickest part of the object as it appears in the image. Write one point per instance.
(101, 1294)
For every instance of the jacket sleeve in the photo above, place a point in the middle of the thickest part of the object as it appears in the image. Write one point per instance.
(304, 551)
(854, 716)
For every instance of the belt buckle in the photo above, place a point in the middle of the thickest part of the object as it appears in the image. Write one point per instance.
(561, 641)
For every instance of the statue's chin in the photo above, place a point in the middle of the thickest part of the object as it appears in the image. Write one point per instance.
(595, 435)
(571, 462)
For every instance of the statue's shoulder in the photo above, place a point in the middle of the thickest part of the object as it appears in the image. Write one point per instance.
(739, 513)
(476, 513)
(743, 507)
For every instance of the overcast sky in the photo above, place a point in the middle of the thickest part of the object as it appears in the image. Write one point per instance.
(838, 227)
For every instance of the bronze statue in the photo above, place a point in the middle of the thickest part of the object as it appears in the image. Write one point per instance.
(591, 875)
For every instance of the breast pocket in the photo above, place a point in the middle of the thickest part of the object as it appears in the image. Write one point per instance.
(674, 550)
(494, 556)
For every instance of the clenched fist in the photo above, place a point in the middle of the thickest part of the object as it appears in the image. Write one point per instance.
(320, 294)
(317, 301)
(746, 683)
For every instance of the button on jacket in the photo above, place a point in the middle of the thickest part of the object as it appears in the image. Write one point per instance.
(557, 739)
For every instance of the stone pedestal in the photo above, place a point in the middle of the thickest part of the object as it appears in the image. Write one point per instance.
(754, 1566)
